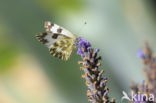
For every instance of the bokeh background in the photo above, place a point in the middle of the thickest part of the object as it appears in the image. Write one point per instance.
(28, 74)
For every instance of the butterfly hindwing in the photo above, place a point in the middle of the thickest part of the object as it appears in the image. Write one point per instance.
(62, 48)
(60, 45)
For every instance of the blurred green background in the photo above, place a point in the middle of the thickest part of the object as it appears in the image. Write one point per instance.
(28, 74)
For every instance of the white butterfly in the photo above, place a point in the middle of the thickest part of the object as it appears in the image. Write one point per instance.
(59, 40)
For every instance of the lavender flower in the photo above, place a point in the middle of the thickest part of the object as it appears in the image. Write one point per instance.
(148, 86)
(97, 91)
(140, 54)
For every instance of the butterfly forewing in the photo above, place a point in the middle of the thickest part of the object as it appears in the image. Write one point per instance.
(59, 40)
(54, 28)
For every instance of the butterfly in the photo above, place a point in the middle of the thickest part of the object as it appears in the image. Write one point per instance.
(60, 41)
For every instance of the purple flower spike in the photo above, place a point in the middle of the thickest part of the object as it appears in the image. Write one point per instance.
(97, 50)
(82, 44)
(105, 78)
(79, 51)
(147, 86)
(140, 54)
(97, 91)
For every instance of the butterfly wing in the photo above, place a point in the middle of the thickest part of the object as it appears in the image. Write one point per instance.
(54, 28)
(59, 43)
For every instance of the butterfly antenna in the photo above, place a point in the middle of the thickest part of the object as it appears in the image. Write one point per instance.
(85, 23)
